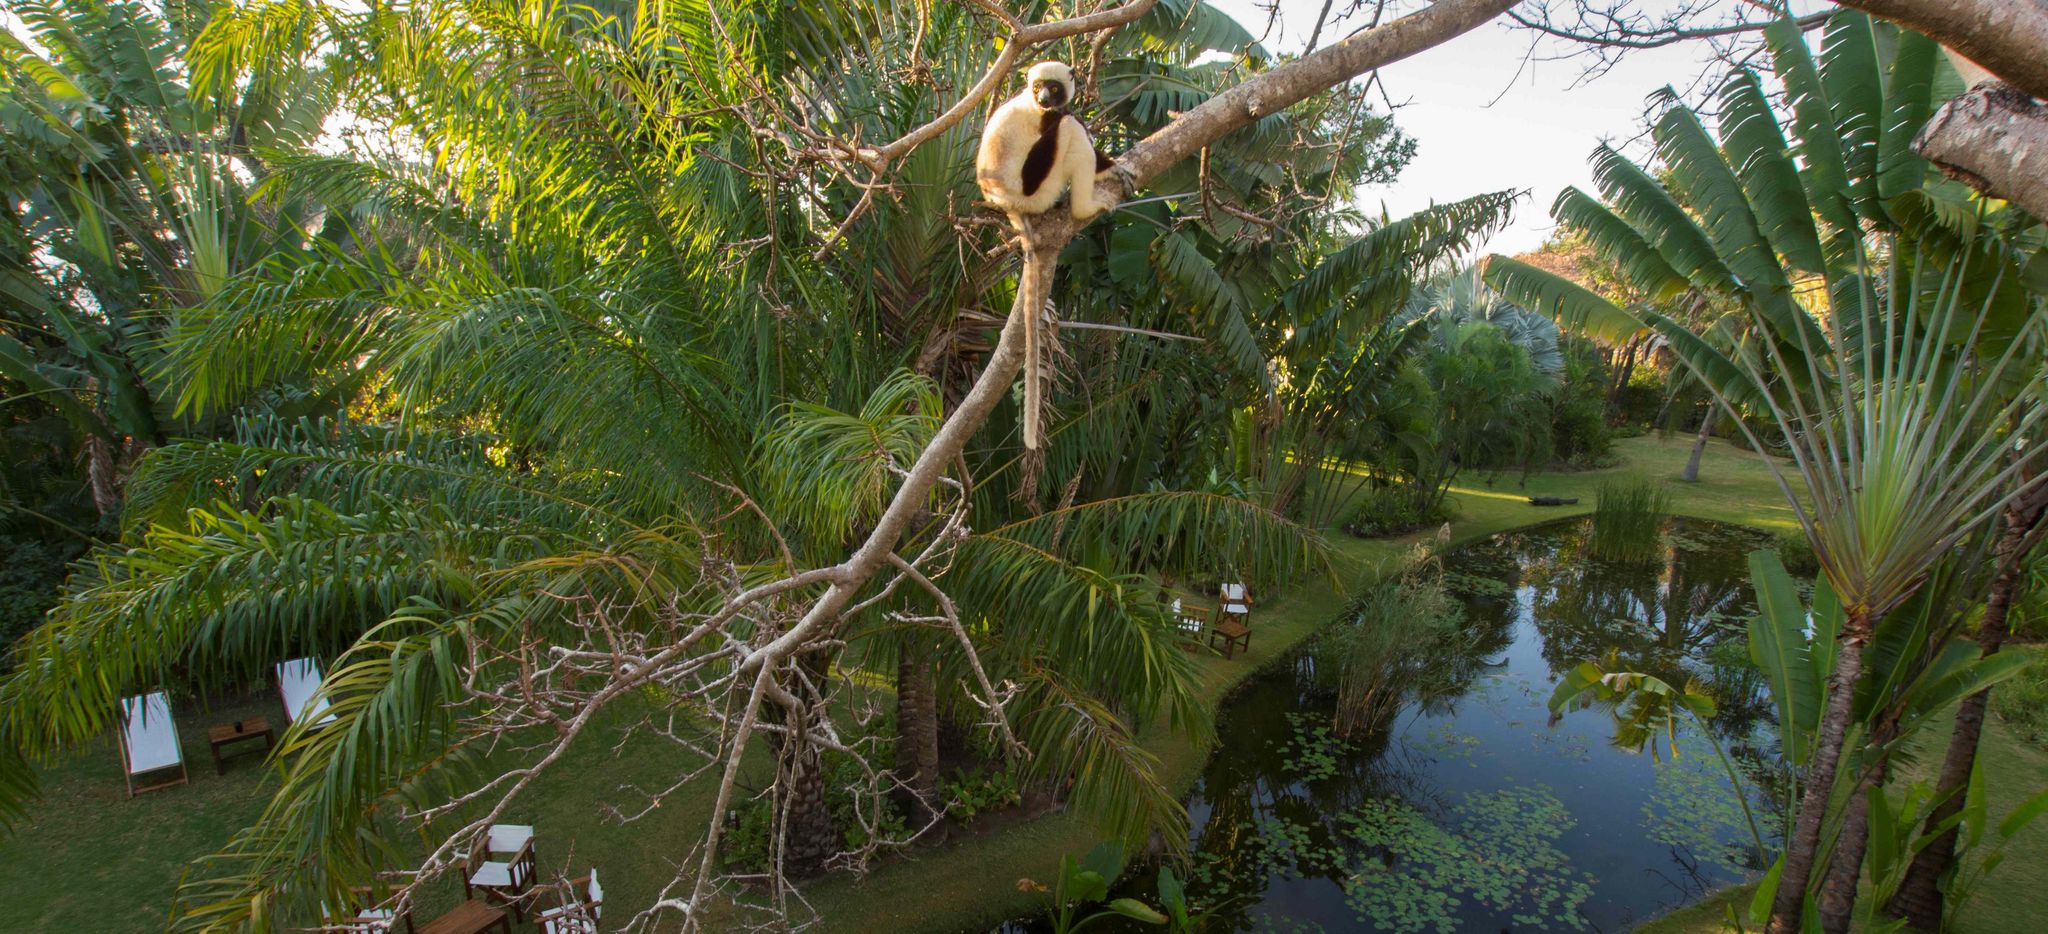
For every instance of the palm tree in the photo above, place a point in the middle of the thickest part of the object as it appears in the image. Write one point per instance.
(128, 192)
(545, 295)
(1798, 247)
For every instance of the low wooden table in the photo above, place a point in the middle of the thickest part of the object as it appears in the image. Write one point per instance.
(228, 734)
(1235, 635)
(470, 917)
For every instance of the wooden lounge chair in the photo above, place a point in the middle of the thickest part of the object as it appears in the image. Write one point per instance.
(1192, 622)
(579, 912)
(149, 742)
(1234, 605)
(501, 877)
(298, 682)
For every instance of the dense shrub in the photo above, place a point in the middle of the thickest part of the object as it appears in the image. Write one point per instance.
(31, 574)
(1394, 510)
(1580, 436)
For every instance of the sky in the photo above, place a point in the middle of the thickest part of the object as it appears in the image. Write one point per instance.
(1483, 120)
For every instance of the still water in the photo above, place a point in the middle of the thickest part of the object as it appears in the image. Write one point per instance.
(1462, 804)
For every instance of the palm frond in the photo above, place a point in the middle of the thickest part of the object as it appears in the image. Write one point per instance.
(1574, 307)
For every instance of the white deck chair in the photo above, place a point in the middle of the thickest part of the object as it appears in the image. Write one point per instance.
(149, 741)
(580, 913)
(298, 681)
(1190, 623)
(1236, 604)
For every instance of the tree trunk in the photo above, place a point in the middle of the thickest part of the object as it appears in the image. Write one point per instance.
(810, 837)
(1804, 846)
(2004, 36)
(917, 733)
(1919, 900)
(1837, 901)
(803, 822)
(1622, 374)
(1995, 139)
(1699, 447)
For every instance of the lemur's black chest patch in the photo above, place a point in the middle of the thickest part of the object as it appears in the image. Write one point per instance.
(1038, 161)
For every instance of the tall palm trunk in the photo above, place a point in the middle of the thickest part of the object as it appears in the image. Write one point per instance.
(1919, 900)
(1699, 446)
(804, 824)
(917, 732)
(1837, 900)
(809, 835)
(1820, 773)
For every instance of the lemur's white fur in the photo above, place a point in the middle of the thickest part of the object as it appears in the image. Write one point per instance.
(1016, 127)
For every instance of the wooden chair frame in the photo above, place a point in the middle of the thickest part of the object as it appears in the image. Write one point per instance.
(522, 865)
(577, 905)
(177, 743)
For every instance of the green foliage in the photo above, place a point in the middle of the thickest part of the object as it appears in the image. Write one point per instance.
(748, 830)
(1628, 519)
(1580, 436)
(1497, 849)
(1385, 510)
(969, 793)
(31, 577)
(1086, 882)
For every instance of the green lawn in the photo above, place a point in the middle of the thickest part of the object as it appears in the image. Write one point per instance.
(93, 861)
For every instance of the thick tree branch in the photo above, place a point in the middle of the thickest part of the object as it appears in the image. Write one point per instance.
(2009, 37)
(1994, 138)
(1298, 80)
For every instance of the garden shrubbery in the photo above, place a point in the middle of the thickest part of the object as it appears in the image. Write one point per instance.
(1393, 510)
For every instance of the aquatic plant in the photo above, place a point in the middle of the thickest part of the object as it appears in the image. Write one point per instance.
(1628, 518)
(1497, 849)
(1311, 752)
(1400, 638)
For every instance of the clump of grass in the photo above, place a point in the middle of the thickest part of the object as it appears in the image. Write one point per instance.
(1399, 638)
(1628, 519)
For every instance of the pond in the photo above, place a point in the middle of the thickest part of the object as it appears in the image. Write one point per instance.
(1457, 802)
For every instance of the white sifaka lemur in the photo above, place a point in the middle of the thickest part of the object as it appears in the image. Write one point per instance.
(1032, 152)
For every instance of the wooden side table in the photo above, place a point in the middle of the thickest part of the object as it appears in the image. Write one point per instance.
(470, 917)
(228, 734)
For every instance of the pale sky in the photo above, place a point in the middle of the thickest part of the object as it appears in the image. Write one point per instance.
(1536, 136)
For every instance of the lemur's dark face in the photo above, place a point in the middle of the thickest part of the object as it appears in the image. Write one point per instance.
(1050, 93)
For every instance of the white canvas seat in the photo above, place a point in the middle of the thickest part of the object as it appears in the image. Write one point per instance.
(1235, 593)
(507, 838)
(371, 921)
(149, 741)
(298, 681)
(497, 875)
(1188, 622)
(356, 920)
(580, 913)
